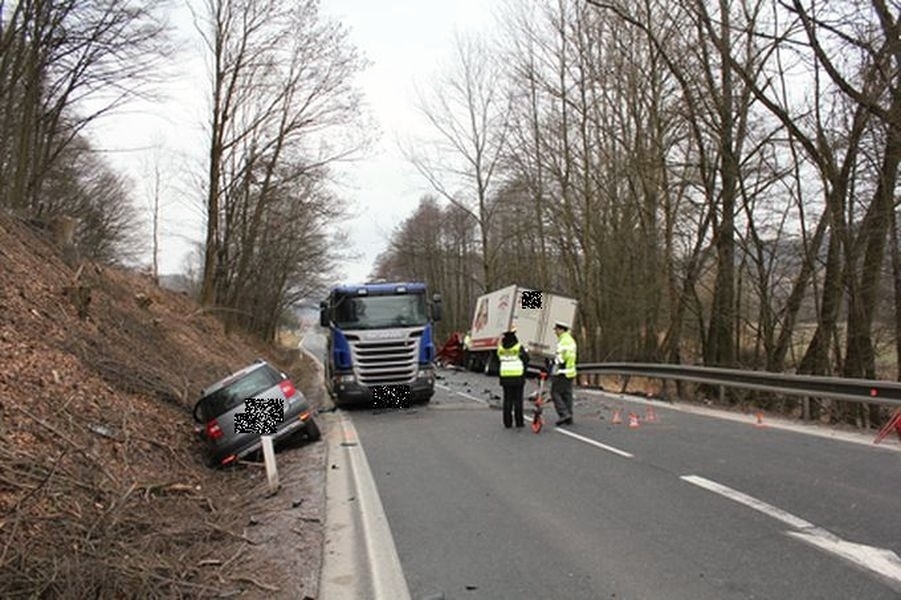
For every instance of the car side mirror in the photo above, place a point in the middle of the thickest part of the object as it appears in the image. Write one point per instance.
(196, 412)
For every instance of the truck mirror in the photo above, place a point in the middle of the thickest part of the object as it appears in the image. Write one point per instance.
(323, 314)
(436, 307)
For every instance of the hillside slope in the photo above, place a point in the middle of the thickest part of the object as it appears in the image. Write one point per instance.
(103, 491)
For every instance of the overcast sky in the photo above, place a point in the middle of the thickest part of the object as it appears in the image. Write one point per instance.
(404, 39)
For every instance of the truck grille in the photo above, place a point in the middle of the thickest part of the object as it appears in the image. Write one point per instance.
(384, 362)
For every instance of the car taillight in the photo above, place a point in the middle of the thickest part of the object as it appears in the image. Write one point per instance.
(287, 388)
(212, 430)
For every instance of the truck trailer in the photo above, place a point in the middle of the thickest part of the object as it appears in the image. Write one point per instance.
(380, 342)
(532, 312)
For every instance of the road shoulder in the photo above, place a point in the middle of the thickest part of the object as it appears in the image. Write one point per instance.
(359, 556)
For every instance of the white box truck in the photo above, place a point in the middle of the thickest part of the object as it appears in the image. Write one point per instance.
(532, 312)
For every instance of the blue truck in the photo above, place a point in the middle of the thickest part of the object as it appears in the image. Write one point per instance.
(380, 342)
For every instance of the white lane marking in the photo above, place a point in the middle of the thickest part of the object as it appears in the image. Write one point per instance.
(464, 394)
(758, 505)
(878, 560)
(558, 430)
(592, 442)
(387, 574)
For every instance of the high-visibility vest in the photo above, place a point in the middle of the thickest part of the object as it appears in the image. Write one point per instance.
(511, 364)
(566, 353)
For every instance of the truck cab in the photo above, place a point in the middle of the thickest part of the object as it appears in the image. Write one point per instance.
(380, 342)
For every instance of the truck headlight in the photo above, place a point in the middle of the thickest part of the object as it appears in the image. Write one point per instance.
(346, 378)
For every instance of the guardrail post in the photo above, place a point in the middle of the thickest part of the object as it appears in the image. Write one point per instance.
(722, 395)
(805, 408)
(269, 459)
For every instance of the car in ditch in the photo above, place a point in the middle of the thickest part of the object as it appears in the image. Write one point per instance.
(233, 413)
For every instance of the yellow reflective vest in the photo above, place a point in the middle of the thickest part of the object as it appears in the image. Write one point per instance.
(566, 355)
(511, 364)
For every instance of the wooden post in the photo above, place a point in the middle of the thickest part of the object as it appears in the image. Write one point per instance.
(269, 459)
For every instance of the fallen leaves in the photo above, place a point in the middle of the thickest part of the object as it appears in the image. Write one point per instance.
(103, 492)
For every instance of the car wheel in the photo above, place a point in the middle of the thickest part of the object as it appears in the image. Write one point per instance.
(312, 430)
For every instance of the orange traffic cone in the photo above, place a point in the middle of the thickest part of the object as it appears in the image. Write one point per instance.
(633, 421)
(617, 419)
(759, 422)
(651, 415)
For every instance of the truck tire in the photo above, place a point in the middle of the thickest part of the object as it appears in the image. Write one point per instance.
(311, 430)
(492, 364)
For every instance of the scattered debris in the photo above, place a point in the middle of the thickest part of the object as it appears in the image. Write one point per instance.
(143, 300)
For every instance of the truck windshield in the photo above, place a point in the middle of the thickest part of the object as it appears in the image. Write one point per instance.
(377, 312)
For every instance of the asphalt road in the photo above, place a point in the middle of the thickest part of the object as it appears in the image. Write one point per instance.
(314, 342)
(689, 506)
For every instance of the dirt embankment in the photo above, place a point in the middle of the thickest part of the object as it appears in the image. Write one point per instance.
(103, 491)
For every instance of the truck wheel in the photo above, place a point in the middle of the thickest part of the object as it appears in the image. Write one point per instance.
(492, 365)
(311, 429)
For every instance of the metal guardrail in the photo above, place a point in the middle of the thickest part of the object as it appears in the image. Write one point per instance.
(856, 390)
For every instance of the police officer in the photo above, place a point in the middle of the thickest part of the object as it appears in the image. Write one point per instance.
(563, 372)
(513, 359)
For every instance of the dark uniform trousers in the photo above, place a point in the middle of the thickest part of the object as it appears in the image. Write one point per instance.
(562, 395)
(513, 402)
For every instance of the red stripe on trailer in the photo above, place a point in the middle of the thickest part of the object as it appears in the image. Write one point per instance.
(483, 344)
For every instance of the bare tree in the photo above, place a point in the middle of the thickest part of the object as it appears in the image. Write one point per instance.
(469, 114)
(284, 108)
(64, 64)
(153, 170)
(83, 186)
(830, 31)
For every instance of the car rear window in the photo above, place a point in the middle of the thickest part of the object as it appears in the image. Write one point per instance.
(238, 391)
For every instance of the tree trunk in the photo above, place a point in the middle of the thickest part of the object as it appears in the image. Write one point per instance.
(816, 357)
(896, 277)
(860, 358)
(722, 319)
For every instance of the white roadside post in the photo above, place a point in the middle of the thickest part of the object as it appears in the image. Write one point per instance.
(269, 459)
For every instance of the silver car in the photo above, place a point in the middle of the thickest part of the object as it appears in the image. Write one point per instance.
(232, 429)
